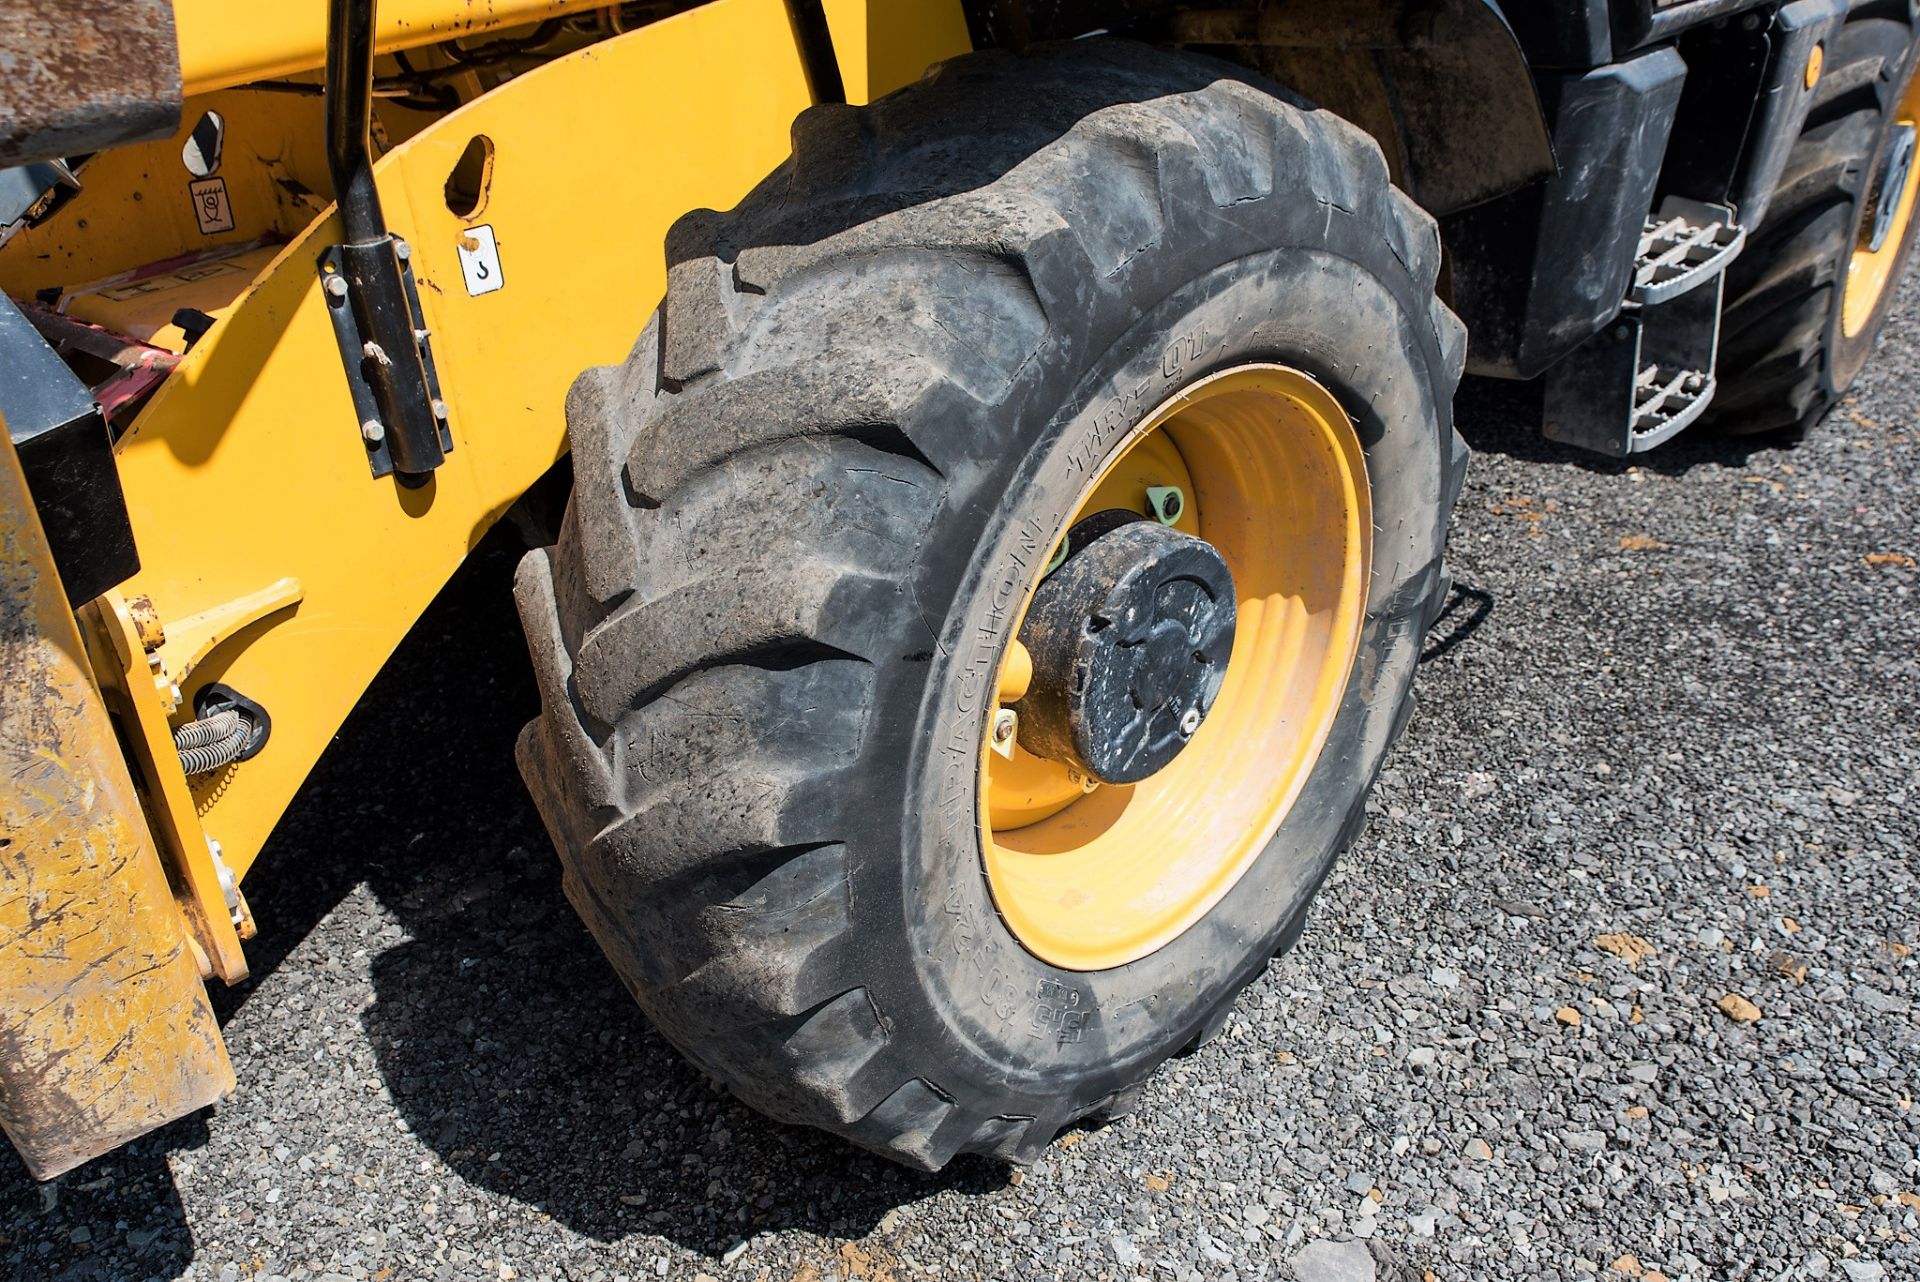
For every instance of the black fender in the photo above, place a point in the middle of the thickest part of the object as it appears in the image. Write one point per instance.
(1443, 85)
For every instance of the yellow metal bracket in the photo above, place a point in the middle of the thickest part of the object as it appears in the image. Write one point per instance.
(121, 667)
(174, 651)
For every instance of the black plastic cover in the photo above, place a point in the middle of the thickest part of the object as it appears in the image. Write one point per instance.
(1562, 33)
(1637, 23)
(67, 456)
(1538, 272)
(1785, 97)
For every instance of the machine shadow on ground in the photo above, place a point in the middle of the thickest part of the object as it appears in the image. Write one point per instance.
(510, 1049)
(506, 1041)
(1498, 417)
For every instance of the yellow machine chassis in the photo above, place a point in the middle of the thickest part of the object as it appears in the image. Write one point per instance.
(271, 558)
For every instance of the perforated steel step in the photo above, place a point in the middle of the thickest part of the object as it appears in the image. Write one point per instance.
(1641, 379)
(1664, 401)
(1684, 245)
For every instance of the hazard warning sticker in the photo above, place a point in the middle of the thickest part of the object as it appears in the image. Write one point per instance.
(480, 260)
(210, 206)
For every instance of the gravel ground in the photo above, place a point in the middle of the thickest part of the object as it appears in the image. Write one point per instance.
(1668, 756)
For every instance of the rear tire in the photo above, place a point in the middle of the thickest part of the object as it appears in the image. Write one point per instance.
(1785, 355)
(783, 576)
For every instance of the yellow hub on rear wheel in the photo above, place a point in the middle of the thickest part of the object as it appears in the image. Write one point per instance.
(1090, 876)
(1870, 271)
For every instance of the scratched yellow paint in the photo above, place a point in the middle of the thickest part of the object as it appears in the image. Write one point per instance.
(105, 1028)
(230, 42)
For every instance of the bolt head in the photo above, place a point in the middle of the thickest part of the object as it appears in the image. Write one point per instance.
(1006, 724)
(337, 286)
(402, 250)
(373, 431)
(1190, 722)
(439, 409)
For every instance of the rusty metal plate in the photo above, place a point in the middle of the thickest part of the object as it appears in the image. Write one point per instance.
(77, 76)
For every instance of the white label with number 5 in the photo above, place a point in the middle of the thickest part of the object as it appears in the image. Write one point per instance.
(480, 261)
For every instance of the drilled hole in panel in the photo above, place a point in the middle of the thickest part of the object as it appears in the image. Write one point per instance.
(472, 174)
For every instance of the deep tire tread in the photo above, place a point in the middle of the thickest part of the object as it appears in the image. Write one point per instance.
(1777, 364)
(673, 630)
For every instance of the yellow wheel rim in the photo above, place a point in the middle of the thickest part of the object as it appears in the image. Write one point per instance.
(1090, 876)
(1870, 271)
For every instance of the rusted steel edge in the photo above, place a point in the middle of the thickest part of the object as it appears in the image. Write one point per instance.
(83, 75)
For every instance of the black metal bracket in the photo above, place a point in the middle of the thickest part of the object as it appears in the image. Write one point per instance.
(367, 280)
(364, 358)
(66, 456)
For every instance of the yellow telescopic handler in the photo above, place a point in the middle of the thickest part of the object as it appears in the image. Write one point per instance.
(986, 466)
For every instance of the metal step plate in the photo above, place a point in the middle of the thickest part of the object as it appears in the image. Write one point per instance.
(1684, 245)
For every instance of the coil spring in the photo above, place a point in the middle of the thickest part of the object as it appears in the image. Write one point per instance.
(212, 741)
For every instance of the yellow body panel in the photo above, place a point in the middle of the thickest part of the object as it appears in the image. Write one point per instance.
(248, 468)
(105, 1030)
(271, 559)
(231, 42)
(882, 46)
(136, 206)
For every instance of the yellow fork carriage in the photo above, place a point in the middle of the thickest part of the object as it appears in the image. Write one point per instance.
(991, 578)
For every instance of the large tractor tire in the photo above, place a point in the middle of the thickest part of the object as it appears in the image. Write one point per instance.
(903, 813)
(1810, 292)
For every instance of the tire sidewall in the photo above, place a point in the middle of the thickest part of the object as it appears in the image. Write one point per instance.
(1356, 322)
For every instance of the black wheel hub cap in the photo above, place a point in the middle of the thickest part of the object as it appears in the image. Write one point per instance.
(1130, 637)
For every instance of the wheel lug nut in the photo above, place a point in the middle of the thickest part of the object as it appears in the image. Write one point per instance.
(1167, 503)
(1006, 726)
